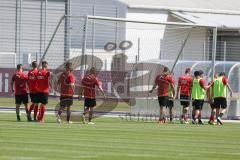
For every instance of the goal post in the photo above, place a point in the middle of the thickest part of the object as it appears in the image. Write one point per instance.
(129, 53)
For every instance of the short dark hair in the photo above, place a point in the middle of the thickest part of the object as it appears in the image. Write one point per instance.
(196, 73)
(165, 69)
(222, 74)
(34, 64)
(44, 63)
(187, 70)
(19, 66)
(68, 64)
(92, 70)
(200, 72)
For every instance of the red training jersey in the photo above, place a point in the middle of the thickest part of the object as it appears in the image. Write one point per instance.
(185, 83)
(32, 80)
(202, 83)
(163, 82)
(66, 80)
(43, 77)
(20, 79)
(89, 82)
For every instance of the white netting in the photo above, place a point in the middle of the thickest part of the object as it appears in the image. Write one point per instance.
(129, 55)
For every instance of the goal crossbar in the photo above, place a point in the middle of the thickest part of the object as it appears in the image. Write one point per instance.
(147, 22)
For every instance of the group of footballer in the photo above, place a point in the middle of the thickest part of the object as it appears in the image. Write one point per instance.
(192, 89)
(36, 83)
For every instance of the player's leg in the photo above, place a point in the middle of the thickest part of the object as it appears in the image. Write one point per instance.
(69, 114)
(213, 113)
(217, 104)
(201, 102)
(162, 118)
(69, 103)
(193, 112)
(92, 105)
(185, 104)
(60, 109)
(25, 102)
(18, 102)
(162, 103)
(185, 113)
(18, 112)
(182, 104)
(170, 106)
(35, 111)
(86, 109)
(34, 106)
(85, 112)
(196, 114)
(223, 103)
(43, 100)
(90, 115)
(171, 114)
(186, 109)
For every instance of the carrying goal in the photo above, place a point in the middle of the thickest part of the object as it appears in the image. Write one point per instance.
(129, 54)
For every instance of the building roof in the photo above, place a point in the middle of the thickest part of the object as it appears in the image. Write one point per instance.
(203, 6)
(218, 20)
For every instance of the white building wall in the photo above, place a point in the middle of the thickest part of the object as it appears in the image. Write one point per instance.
(173, 40)
(149, 35)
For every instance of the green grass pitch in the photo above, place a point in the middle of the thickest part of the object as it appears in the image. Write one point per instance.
(115, 139)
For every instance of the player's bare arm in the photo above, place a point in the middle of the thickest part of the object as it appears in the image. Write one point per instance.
(173, 90)
(230, 89)
(154, 86)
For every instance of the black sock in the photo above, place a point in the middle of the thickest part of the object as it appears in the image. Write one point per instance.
(220, 115)
(18, 118)
(68, 116)
(171, 117)
(193, 117)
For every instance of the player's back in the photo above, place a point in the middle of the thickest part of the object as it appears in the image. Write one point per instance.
(65, 81)
(89, 82)
(185, 83)
(43, 80)
(163, 81)
(20, 80)
(32, 80)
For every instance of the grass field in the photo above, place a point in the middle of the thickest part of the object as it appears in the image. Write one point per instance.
(112, 138)
(77, 105)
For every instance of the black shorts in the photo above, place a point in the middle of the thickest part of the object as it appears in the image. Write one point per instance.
(185, 103)
(88, 102)
(34, 97)
(42, 98)
(165, 101)
(66, 101)
(198, 104)
(21, 99)
(220, 102)
(212, 106)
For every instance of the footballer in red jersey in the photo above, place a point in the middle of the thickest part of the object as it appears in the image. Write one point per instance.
(89, 84)
(166, 93)
(32, 85)
(43, 82)
(19, 87)
(184, 86)
(66, 83)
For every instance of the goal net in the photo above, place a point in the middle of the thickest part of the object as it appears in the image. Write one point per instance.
(128, 55)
